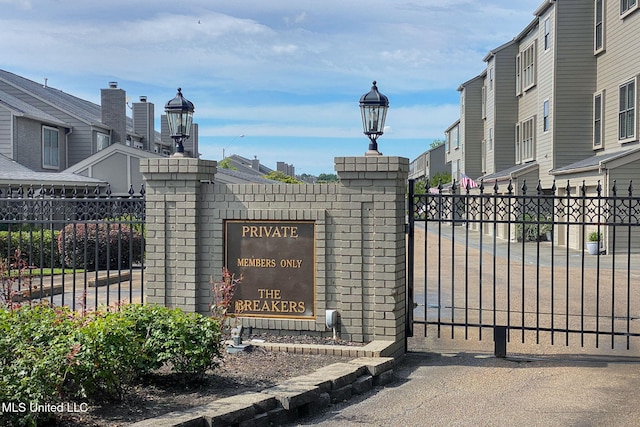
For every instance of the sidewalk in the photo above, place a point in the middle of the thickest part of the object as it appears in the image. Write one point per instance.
(453, 385)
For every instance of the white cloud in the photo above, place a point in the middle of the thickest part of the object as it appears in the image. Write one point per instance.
(274, 68)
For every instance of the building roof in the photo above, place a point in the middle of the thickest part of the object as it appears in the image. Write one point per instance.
(11, 172)
(593, 162)
(84, 110)
(21, 108)
(231, 176)
(510, 173)
(245, 165)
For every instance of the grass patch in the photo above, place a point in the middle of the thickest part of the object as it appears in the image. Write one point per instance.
(37, 272)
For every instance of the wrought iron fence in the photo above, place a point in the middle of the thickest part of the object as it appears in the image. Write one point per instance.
(75, 246)
(496, 259)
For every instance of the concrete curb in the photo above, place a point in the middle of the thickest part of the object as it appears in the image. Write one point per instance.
(296, 397)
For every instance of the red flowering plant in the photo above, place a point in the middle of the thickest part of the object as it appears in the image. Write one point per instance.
(14, 277)
(223, 292)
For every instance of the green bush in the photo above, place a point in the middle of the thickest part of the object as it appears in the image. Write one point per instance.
(38, 246)
(113, 241)
(190, 343)
(530, 229)
(49, 355)
(33, 349)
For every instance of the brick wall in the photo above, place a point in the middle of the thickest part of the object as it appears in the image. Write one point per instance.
(359, 241)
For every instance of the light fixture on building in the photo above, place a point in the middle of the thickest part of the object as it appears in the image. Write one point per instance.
(373, 107)
(180, 118)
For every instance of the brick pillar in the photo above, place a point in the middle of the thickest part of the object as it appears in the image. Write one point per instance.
(371, 267)
(174, 187)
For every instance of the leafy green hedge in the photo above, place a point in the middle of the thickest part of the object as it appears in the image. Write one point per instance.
(113, 241)
(50, 355)
(39, 247)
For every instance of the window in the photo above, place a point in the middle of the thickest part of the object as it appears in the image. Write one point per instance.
(490, 78)
(597, 120)
(529, 67)
(102, 141)
(525, 140)
(598, 43)
(484, 102)
(50, 158)
(627, 6)
(528, 139)
(455, 170)
(518, 161)
(547, 31)
(526, 69)
(483, 156)
(490, 139)
(627, 111)
(447, 137)
(455, 141)
(518, 75)
(545, 116)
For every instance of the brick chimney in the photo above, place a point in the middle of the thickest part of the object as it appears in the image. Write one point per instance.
(143, 123)
(114, 112)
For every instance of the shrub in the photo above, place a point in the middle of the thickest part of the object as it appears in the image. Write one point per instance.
(104, 354)
(531, 228)
(189, 342)
(38, 246)
(33, 349)
(116, 245)
(50, 354)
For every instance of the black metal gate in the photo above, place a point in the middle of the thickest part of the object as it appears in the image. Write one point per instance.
(71, 246)
(518, 265)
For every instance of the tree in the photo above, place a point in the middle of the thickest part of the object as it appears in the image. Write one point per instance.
(436, 143)
(226, 164)
(328, 177)
(420, 187)
(282, 177)
(439, 178)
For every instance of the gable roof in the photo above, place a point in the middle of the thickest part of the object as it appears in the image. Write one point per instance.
(227, 176)
(21, 108)
(593, 162)
(85, 111)
(11, 172)
(510, 173)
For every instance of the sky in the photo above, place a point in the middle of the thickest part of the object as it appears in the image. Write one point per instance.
(286, 74)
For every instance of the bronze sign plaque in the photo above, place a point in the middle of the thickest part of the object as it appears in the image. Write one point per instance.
(277, 262)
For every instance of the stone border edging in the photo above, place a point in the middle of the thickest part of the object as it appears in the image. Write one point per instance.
(293, 398)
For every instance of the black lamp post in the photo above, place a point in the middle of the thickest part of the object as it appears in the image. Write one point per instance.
(179, 117)
(373, 107)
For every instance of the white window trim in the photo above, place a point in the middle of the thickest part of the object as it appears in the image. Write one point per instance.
(546, 115)
(634, 136)
(105, 138)
(547, 34)
(630, 10)
(483, 101)
(520, 148)
(456, 141)
(596, 49)
(49, 166)
(532, 156)
(518, 74)
(517, 143)
(526, 84)
(483, 155)
(601, 133)
(523, 84)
